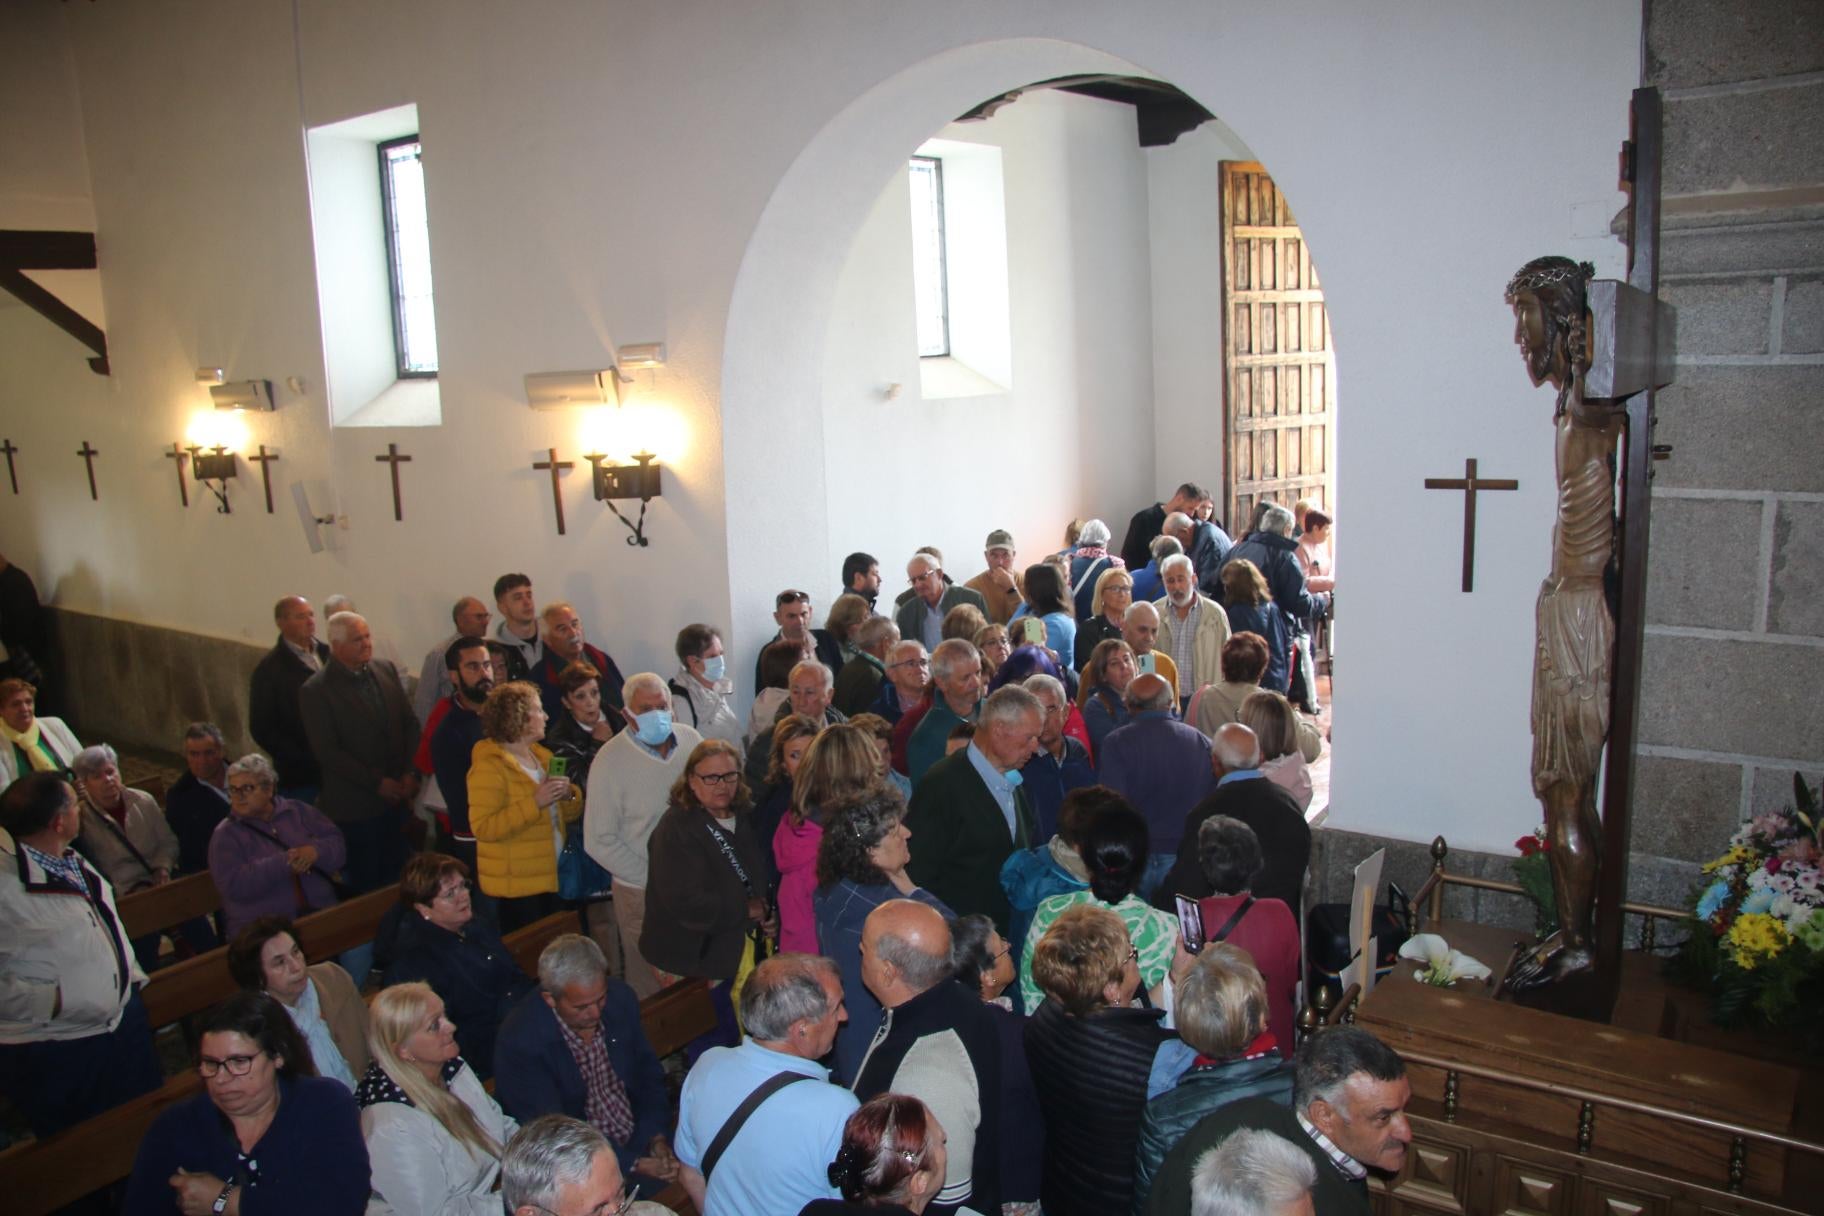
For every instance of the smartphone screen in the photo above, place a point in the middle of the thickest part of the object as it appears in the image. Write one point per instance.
(559, 767)
(1144, 665)
(1190, 924)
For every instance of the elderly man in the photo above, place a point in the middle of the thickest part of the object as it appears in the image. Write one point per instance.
(701, 692)
(1192, 628)
(629, 789)
(1149, 584)
(810, 691)
(1204, 543)
(576, 1047)
(1272, 548)
(766, 1110)
(859, 684)
(922, 615)
(861, 576)
(470, 616)
(559, 1166)
(518, 629)
(363, 732)
(970, 813)
(1148, 523)
(454, 734)
(1140, 630)
(1243, 793)
(908, 676)
(1002, 586)
(1348, 1116)
(1061, 763)
(936, 1042)
(198, 800)
(74, 1040)
(273, 713)
(1159, 764)
(792, 613)
(564, 645)
(956, 670)
(1253, 1173)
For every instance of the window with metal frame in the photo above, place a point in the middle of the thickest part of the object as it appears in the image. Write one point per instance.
(930, 279)
(408, 256)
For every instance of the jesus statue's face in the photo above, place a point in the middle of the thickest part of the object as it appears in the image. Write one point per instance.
(1532, 334)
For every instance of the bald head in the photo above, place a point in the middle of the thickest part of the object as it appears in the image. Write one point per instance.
(905, 950)
(1235, 748)
(1150, 693)
(296, 620)
(470, 616)
(1177, 526)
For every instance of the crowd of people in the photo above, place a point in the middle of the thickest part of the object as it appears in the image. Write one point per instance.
(936, 880)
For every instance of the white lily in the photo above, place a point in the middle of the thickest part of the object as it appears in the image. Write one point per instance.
(1443, 966)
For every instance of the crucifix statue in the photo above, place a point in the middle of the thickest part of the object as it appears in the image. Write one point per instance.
(12, 474)
(88, 455)
(394, 458)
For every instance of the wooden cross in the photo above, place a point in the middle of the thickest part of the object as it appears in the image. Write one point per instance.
(557, 467)
(1469, 483)
(264, 460)
(393, 457)
(11, 473)
(88, 455)
(178, 454)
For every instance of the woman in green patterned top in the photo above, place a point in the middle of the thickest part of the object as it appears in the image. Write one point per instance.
(1114, 849)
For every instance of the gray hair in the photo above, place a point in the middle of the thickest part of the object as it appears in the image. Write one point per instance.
(871, 632)
(1251, 1173)
(824, 675)
(256, 766)
(332, 604)
(1139, 608)
(951, 654)
(91, 760)
(1164, 547)
(906, 646)
(1007, 705)
(922, 972)
(929, 560)
(1039, 682)
(340, 623)
(1234, 748)
(647, 680)
(1094, 532)
(570, 959)
(1174, 562)
(205, 730)
(1277, 520)
(1327, 1060)
(783, 991)
(1164, 698)
(545, 1154)
(1177, 521)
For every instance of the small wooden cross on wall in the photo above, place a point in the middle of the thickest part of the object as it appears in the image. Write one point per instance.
(88, 455)
(264, 460)
(1469, 483)
(12, 474)
(178, 454)
(557, 494)
(394, 458)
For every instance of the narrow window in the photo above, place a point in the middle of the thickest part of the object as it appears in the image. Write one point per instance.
(408, 256)
(929, 281)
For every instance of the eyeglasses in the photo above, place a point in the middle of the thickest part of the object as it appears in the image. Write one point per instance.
(617, 1206)
(237, 790)
(718, 778)
(237, 1066)
(455, 890)
(1003, 952)
(1133, 955)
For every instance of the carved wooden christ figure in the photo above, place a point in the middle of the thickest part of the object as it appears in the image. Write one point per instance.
(1575, 637)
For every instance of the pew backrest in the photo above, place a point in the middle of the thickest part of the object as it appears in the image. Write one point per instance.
(158, 908)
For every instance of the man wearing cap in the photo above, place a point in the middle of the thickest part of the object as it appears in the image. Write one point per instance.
(1001, 585)
(792, 613)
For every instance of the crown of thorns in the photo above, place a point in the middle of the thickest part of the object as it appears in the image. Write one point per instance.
(1547, 276)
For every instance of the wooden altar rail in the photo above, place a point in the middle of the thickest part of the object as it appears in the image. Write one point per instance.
(1430, 897)
(1738, 1154)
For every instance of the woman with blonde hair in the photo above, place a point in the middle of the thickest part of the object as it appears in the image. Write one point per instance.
(841, 765)
(846, 616)
(518, 810)
(792, 737)
(1107, 610)
(995, 645)
(1275, 723)
(433, 1134)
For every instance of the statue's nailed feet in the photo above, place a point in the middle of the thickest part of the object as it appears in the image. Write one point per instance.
(1552, 961)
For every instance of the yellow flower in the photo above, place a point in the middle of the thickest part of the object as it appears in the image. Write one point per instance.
(1736, 855)
(1755, 938)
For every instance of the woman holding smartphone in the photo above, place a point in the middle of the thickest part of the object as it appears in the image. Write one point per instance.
(518, 807)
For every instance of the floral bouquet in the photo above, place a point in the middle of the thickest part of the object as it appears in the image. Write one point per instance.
(1758, 940)
(1533, 871)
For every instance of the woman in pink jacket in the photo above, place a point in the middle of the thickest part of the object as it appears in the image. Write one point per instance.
(842, 763)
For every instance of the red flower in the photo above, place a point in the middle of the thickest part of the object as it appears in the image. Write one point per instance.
(1529, 845)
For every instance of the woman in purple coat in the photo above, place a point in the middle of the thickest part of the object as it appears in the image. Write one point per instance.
(272, 856)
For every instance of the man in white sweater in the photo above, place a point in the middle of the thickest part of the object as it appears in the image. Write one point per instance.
(629, 788)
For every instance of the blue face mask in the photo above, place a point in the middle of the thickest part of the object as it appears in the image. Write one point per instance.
(714, 669)
(652, 727)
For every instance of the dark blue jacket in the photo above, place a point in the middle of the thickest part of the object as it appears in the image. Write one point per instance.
(1285, 577)
(1210, 547)
(1046, 781)
(472, 971)
(451, 746)
(535, 1074)
(1270, 623)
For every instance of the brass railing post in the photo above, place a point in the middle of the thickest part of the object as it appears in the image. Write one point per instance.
(1451, 1082)
(1738, 1163)
(1586, 1128)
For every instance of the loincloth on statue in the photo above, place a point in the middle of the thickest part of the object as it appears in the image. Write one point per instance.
(1571, 673)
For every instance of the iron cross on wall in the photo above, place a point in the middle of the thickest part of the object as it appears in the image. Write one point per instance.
(1469, 483)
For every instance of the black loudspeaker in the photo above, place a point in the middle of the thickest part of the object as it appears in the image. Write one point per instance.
(1327, 948)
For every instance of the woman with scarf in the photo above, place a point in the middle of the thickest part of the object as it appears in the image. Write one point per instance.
(28, 743)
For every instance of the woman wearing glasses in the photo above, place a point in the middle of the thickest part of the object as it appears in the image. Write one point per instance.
(272, 856)
(984, 964)
(266, 1135)
(433, 1134)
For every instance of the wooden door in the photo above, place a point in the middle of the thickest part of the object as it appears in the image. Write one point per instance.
(1279, 373)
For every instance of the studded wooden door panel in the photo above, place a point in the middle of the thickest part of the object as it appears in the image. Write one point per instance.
(1279, 373)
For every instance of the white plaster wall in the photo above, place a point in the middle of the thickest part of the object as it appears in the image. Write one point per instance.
(1076, 223)
(697, 172)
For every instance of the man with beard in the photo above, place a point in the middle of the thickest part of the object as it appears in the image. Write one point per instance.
(453, 738)
(1192, 628)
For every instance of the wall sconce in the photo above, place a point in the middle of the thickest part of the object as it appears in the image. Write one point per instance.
(242, 395)
(638, 480)
(216, 466)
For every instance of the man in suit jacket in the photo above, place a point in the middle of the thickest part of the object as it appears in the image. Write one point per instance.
(579, 1014)
(363, 731)
(1242, 793)
(1348, 1115)
(921, 617)
(273, 713)
(967, 817)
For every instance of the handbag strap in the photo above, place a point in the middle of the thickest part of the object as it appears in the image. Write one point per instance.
(121, 835)
(729, 853)
(743, 1112)
(1228, 926)
(285, 848)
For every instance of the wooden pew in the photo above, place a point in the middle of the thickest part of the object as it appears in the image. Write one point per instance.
(159, 908)
(529, 941)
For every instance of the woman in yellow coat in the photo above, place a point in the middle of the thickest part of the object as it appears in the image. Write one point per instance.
(517, 810)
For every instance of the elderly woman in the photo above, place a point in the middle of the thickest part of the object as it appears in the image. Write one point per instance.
(28, 743)
(582, 725)
(1087, 562)
(792, 737)
(518, 811)
(323, 1002)
(1283, 762)
(1102, 694)
(891, 1162)
(433, 1134)
(1114, 849)
(1221, 1012)
(995, 645)
(1244, 661)
(441, 943)
(1230, 856)
(1048, 601)
(702, 695)
(266, 1135)
(272, 856)
(846, 616)
(1091, 1056)
(706, 897)
(984, 964)
(1107, 610)
(841, 765)
(1249, 603)
(125, 835)
(861, 864)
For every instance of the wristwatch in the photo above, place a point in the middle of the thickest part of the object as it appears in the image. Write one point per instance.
(221, 1201)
